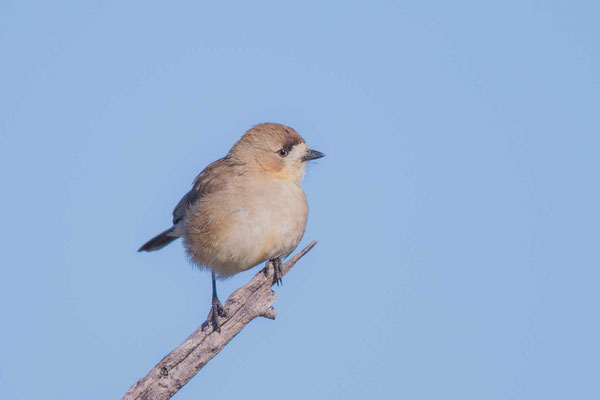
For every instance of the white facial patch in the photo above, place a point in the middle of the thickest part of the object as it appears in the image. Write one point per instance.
(298, 152)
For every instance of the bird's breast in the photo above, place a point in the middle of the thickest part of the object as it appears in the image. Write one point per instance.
(250, 225)
(274, 224)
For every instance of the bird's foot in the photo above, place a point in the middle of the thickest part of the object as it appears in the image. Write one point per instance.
(216, 311)
(277, 271)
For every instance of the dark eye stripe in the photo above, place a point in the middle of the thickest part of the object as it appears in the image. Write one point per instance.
(291, 142)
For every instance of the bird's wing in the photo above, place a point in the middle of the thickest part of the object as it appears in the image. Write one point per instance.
(206, 182)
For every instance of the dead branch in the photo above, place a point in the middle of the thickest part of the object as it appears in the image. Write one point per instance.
(255, 299)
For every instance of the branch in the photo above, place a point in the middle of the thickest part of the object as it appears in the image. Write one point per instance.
(254, 299)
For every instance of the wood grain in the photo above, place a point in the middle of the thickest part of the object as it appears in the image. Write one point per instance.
(254, 299)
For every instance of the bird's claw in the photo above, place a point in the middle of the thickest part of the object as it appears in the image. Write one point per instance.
(277, 271)
(216, 311)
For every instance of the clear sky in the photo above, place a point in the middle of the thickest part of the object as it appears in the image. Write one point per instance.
(456, 210)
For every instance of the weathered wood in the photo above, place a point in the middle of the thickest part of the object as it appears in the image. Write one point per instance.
(254, 299)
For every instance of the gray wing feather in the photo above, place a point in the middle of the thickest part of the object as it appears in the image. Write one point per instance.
(204, 183)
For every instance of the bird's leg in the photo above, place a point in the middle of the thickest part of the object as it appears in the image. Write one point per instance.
(277, 272)
(216, 310)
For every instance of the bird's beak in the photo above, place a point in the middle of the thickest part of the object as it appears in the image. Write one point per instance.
(312, 155)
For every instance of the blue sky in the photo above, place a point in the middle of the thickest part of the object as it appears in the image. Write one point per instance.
(456, 210)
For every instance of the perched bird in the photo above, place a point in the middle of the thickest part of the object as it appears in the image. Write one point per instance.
(245, 208)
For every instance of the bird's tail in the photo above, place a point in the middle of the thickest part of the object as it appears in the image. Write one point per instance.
(159, 241)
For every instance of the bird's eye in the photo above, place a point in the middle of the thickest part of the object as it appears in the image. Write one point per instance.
(282, 152)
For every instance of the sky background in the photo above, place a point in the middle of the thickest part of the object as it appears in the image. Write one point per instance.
(456, 210)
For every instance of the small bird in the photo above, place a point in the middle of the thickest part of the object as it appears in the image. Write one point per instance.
(245, 208)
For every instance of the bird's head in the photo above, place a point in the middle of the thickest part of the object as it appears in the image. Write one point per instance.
(276, 150)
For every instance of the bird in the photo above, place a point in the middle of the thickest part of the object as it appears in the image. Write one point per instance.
(245, 208)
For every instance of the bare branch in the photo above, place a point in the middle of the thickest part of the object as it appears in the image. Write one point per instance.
(254, 299)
